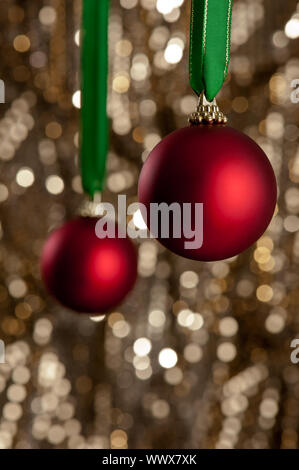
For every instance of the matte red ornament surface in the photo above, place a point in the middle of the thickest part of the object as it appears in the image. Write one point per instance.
(223, 169)
(85, 273)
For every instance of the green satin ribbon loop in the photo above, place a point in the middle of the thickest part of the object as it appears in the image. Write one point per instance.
(210, 32)
(94, 73)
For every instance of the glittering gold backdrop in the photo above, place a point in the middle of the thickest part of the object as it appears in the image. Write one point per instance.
(198, 356)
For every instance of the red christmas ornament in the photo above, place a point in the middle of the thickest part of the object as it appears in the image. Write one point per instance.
(221, 168)
(85, 273)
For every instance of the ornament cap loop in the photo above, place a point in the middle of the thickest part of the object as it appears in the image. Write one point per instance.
(207, 112)
(91, 206)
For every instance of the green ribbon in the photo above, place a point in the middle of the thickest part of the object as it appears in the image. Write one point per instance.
(210, 32)
(94, 72)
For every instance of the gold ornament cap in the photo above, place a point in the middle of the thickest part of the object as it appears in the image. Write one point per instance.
(207, 113)
(91, 207)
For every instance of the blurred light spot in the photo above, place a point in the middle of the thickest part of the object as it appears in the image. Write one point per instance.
(138, 220)
(98, 319)
(123, 48)
(228, 326)
(141, 363)
(193, 353)
(185, 317)
(12, 411)
(47, 15)
(173, 53)
(53, 130)
(76, 99)
(25, 177)
(264, 293)
(142, 346)
(148, 108)
(121, 329)
(3, 192)
(151, 140)
(275, 323)
(160, 409)
(157, 318)
(54, 184)
(174, 376)
(77, 37)
(279, 39)
(268, 408)
(168, 358)
(292, 28)
(21, 43)
(17, 288)
(189, 279)
(121, 83)
(226, 352)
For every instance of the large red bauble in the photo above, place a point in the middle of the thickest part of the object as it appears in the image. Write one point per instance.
(221, 168)
(85, 273)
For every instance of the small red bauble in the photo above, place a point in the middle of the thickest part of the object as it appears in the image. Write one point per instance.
(85, 273)
(221, 168)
